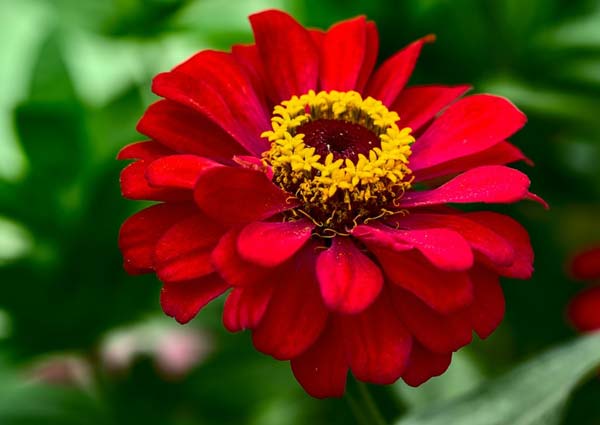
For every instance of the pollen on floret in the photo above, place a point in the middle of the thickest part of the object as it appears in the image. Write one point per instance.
(342, 156)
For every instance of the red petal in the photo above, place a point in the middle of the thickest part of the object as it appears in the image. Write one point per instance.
(349, 280)
(322, 370)
(177, 171)
(441, 333)
(296, 314)
(424, 364)
(342, 54)
(377, 237)
(377, 344)
(586, 264)
(372, 48)
(135, 186)
(487, 184)
(270, 244)
(144, 150)
(290, 56)
(516, 236)
(240, 195)
(443, 291)
(183, 252)
(214, 84)
(183, 300)
(318, 36)
(417, 105)
(224, 73)
(196, 94)
(391, 77)
(584, 310)
(249, 58)
(446, 249)
(481, 238)
(232, 267)
(245, 307)
(186, 131)
(487, 310)
(499, 154)
(140, 233)
(533, 197)
(470, 125)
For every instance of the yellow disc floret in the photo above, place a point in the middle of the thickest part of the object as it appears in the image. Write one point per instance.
(339, 192)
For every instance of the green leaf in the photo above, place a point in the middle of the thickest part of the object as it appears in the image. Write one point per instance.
(101, 68)
(583, 70)
(15, 242)
(5, 324)
(532, 394)
(24, 25)
(553, 416)
(581, 32)
(548, 103)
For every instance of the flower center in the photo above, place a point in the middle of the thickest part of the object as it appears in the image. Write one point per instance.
(343, 156)
(341, 138)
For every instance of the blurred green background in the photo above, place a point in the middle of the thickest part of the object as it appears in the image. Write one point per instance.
(83, 343)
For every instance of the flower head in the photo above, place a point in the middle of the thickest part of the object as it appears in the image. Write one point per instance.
(316, 188)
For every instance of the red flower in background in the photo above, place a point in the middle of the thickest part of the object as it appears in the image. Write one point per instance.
(584, 309)
(284, 172)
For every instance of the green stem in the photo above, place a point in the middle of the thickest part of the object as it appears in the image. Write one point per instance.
(363, 406)
(357, 411)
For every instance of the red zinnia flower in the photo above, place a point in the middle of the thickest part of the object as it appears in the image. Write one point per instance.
(285, 173)
(584, 309)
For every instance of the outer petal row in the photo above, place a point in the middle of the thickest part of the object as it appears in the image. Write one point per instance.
(388, 341)
(183, 300)
(296, 314)
(184, 251)
(140, 233)
(239, 195)
(391, 77)
(487, 184)
(290, 56)
(499, 241)
(470, 125)
(215, 86)
(418, 105)
(348, 51)
(185, 130)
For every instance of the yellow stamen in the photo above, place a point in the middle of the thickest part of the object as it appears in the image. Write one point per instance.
(338, 191)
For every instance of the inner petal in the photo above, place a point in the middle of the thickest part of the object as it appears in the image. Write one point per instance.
(341, 138)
